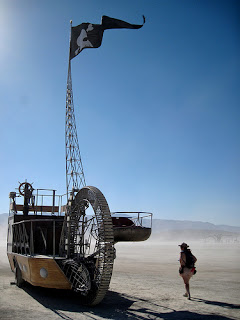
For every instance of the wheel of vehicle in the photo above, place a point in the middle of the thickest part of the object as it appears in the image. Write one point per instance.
(18, 276)
(95, 242)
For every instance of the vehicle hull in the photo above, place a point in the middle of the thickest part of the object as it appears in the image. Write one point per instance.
(132, 233)
(39, 270)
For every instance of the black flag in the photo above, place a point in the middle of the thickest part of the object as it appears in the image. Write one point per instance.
(88, 35)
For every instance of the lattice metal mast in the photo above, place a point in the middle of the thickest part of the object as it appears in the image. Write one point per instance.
(75, 178)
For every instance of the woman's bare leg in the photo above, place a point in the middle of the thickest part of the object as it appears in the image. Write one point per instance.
(187, 287)
(188, 290)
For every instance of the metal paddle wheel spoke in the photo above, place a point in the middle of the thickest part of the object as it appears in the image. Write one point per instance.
(91, 237)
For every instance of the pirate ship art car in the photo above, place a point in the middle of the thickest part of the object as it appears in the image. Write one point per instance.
(67, 241)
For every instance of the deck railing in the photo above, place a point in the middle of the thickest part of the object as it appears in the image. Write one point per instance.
(41, 201)
(140, 219)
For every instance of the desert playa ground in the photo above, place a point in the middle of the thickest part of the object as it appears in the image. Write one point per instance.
(145, 285)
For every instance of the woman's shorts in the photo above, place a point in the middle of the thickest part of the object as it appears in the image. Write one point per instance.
(187, 273)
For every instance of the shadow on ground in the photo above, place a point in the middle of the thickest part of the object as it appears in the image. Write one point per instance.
(218, 303)
(114, 306)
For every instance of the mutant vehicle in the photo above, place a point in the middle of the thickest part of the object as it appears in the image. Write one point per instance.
(68, 241)
(52, 246)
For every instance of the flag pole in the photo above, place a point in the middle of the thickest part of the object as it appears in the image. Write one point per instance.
(74, 170)
(69, 55)
(70, 41)
(69, 80)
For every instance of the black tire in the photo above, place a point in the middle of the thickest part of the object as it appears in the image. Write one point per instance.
(18, 277)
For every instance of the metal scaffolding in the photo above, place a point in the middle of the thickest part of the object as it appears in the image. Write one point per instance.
(75, 178)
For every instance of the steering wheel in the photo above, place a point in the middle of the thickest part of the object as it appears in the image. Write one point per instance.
(23, 186)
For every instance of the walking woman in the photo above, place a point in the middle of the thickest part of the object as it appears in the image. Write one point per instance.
(187, 267)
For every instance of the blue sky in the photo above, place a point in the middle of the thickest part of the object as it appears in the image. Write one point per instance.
(157, 109)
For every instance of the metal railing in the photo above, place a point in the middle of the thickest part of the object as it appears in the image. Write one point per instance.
(23, 236)
(140, 219)
(42, 201)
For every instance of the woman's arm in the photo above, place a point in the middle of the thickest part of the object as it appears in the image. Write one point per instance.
(182, 259)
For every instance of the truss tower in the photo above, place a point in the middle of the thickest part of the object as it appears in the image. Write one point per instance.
(75, 178)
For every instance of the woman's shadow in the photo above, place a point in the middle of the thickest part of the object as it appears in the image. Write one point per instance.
(218, 303)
